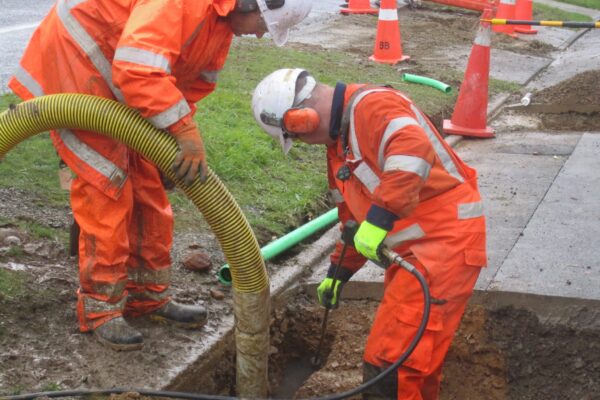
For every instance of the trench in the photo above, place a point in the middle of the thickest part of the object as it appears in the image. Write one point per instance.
(500, 352)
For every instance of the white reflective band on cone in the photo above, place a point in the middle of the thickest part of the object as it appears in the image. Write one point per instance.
(388, 15)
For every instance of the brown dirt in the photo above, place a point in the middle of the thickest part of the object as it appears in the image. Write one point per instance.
(571, 105)
(496, 355)
(582, 89)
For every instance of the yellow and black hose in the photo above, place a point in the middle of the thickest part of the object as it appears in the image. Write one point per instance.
(215, 202)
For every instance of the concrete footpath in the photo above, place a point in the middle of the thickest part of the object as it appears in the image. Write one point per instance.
(542, 197)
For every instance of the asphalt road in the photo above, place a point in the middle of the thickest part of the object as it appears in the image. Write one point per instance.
(18, 19)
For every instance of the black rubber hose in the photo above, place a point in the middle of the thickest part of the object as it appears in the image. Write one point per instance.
(413, 344)
(192, 396)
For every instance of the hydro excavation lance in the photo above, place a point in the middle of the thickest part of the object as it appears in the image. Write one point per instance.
(350, 228)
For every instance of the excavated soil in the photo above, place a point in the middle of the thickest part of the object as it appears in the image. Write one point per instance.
(571, 105)
(496, 355)
(581, 90)
(575, 103)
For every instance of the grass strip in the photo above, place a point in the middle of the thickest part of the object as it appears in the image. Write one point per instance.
(548, 13)
(594, 4)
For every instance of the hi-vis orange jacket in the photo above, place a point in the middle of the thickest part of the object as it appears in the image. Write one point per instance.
(157, 56)
(406, 179)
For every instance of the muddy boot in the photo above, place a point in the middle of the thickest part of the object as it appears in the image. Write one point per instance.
(181, 315)
(119, 335)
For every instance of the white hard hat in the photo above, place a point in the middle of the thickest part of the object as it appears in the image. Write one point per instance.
(279, 19)
(276, 94)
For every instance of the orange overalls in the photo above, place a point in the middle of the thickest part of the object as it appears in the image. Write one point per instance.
(407, 179)
(159, 57)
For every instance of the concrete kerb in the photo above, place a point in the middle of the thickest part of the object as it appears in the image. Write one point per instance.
(576, 35)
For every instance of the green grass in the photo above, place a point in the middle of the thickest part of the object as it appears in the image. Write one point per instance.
(11, 283)
(595, 4)
(275, 192)
(542, 11)
(32, 167)
(51, 387)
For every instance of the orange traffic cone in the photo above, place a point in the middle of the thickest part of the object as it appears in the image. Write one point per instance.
(388, 43)
(524, 12)
(470, 112)
(358, 7)
(506, 10)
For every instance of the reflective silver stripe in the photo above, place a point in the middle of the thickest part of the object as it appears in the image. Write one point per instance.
(470, 210)
(366, 176)
(210, 76)
(484, 37)
(87, 43)
(142, 276)
(93, 158)
(353, 138)
(439, 148)
(388, 14)
(511, 2)
(112, 291)
(413, 232)
(148, 295)
(412, 164)
(171, 115)
(336, 196)
(395, 125)
(91, 305)
(27, 80)
(143, 57)
(364, 172)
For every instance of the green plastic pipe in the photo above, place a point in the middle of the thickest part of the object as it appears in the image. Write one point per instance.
(287, 241)
(423, 80)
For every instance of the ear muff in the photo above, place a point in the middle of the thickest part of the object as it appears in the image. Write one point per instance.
(301, 120)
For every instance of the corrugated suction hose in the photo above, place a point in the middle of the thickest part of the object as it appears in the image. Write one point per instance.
(113, 119)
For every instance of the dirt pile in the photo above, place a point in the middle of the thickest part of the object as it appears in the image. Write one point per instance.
(581, 90)
(571, 105)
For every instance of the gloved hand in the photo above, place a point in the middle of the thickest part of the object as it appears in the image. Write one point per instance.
(327, 297)
(368, 238)
(191, 158)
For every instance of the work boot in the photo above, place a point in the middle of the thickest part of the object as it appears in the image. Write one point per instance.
(119, 335)
(181, 315)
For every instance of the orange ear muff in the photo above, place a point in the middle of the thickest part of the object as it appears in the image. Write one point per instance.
(301, 120)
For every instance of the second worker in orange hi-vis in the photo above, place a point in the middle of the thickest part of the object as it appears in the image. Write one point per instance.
(390, 170)
(159, 57)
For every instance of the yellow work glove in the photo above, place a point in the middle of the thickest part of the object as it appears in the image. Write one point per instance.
(368, 238)
(328, 298)
(191, 158)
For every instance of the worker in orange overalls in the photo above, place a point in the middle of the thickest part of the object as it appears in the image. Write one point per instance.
(159, 57)
(390, 170)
